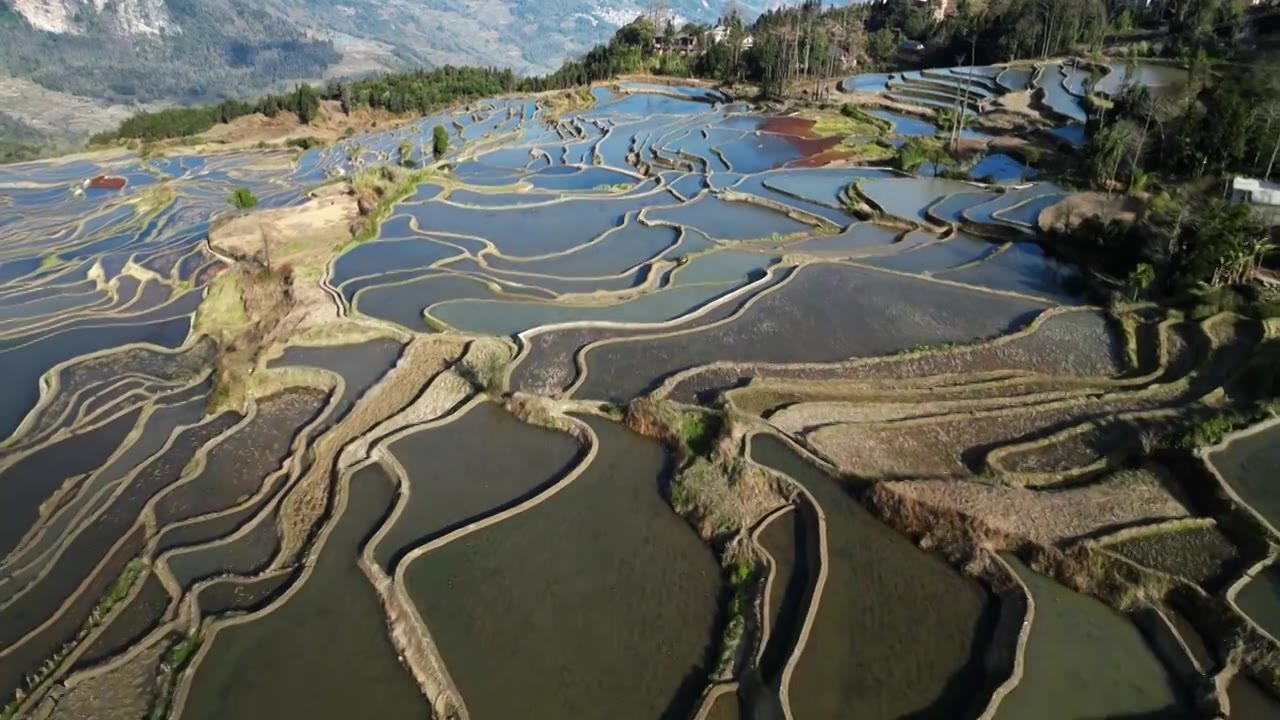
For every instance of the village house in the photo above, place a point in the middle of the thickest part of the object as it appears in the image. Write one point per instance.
(1264, 196)
(720, 33)
(682, 44)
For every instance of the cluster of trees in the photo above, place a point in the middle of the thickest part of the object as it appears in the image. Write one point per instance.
(420, 92)
(1217, 124)
(989, 31)
(1177, 246)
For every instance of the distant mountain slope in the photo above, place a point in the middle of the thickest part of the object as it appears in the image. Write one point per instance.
(144, 50)
(126, 52)
(530, 36)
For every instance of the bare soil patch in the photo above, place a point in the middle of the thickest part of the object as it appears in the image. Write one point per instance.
(1051, 517)
(1078, 207)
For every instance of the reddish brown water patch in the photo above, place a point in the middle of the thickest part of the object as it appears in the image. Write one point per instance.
(108, 182)
(815, 151)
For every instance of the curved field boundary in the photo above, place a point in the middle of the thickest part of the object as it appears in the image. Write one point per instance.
(70, 326)
(288, 470)
(138, 390)
(597, 299)
(824, 561)
(822, 224)
(103, 564)
(669, 384)
(710, 695)
(852, 364)
(771, 564)
(1100, 420)
(1169, 645)
(1205, 456)
(1154, 529)
(63, 433)
(581, 355)
(64, 658)
(211, 628)
(113, 490)
(585, 435)
(381, 453)
(50, 383)
(404, 625)
(1248, 576)
(189, 618)
(18, 560)
(522, 338)
(1005, 636)
(776, 373)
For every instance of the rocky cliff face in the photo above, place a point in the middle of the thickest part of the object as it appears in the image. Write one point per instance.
(120, 17)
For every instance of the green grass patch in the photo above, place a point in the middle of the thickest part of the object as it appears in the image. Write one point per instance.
(699, 432)
(742, 579)
(111, 597)
(221, 314)
(175, 663)
(389, 185)
(1204, 431)
(855, 122)
(49, 262)
(868, 151)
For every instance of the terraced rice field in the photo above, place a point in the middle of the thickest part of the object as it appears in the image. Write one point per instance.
(1065, 652)
(457, 471)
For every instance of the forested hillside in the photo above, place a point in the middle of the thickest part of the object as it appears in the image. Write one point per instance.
(224, 48)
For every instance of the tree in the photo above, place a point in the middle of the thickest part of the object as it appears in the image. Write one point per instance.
(952, 121)
(439, 141)
(242, 199)
(1222, 244)
(1141, 278)
(406, 149)
(1108, 148)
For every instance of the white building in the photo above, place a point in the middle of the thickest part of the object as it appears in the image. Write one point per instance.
(1264, 196)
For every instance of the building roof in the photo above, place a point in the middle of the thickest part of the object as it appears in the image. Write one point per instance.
(1260, 192)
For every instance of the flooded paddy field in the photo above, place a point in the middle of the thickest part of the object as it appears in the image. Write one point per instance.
(896, 632)
(1078, 642)
(506, 454)
(651, 613)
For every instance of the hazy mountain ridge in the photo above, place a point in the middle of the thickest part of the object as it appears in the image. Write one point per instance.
(130, 52)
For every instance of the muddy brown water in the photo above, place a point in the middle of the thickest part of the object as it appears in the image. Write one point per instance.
(898, 632)
(237, 467)
(242, 555)
(324, 652)
(237, 595)
(142, 614)
(1250, 702)
(474, 466)
(1085, 660)
(878, 313)
(791, 541)
(598, 602)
